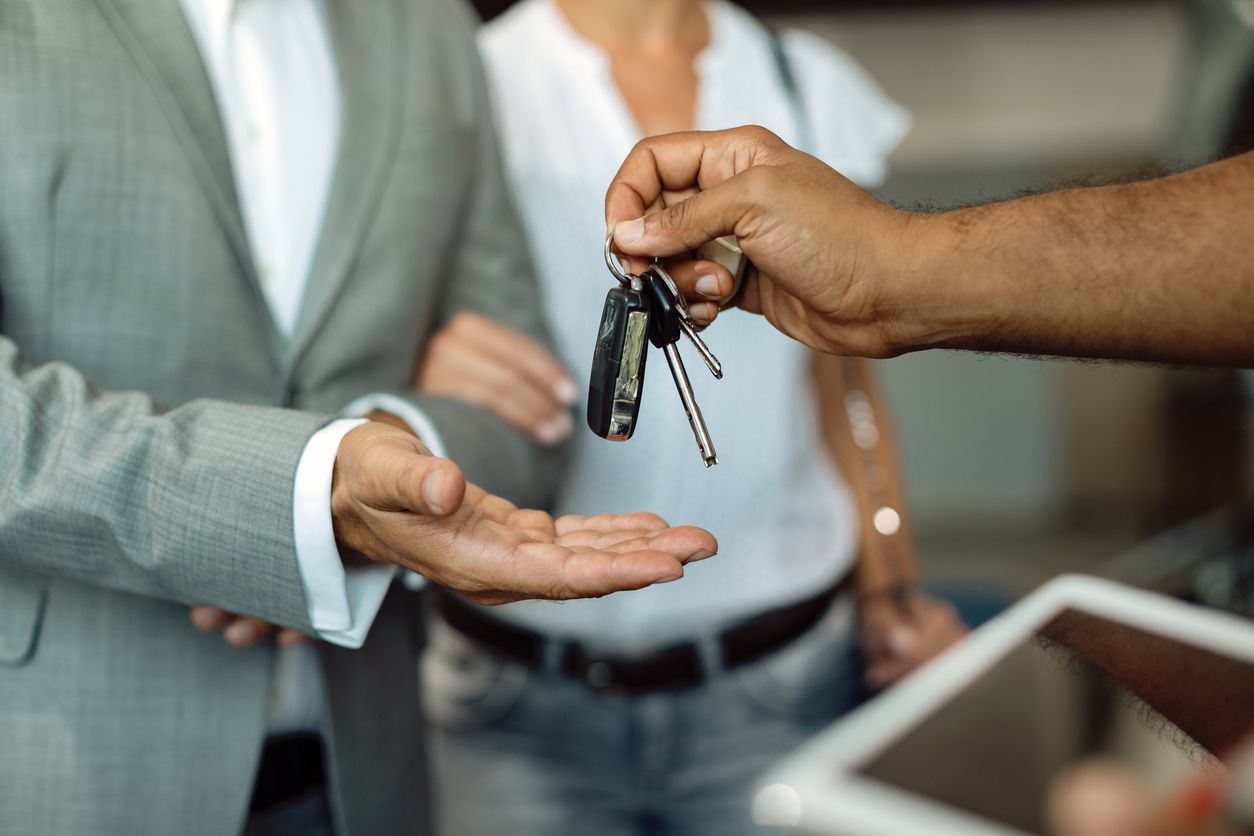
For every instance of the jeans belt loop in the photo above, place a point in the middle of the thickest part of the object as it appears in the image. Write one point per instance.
(552, 652)
(710, 651)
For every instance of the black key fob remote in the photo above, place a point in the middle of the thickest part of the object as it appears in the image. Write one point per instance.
(664, 311)
(618, 364)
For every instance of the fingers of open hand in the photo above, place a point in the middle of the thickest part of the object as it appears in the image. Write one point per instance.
(608, 522)
(525, 554)
(591, 572)
(609, 556)
(550, 571)
(619, 540)
(684, 543)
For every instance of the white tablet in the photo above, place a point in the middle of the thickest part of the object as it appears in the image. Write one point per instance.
(976, 742)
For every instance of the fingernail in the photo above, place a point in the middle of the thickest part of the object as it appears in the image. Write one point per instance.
(701, 555)
(433, 488)
(703, 312)
(629, 232)
(555, 430)
(708, 287)
(241, 632)
(901, 641)
(669, 578)
(566, 391)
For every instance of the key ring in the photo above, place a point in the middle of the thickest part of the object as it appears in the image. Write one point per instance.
(612, 262)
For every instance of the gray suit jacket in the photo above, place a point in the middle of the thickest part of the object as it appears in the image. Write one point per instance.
(152, 416)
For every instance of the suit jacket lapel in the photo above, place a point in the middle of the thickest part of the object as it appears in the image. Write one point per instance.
(367, 41)
(157, 35)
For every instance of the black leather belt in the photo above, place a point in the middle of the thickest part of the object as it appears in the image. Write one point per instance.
(291, 768)
(669, 668)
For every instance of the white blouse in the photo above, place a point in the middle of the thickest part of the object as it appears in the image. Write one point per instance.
(785, 520)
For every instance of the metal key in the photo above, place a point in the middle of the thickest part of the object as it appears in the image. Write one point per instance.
(685, 321)
(668, 318)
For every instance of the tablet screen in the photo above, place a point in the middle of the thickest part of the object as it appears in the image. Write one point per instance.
(1009, 746)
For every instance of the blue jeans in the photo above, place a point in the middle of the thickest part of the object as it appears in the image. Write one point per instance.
(519, 751)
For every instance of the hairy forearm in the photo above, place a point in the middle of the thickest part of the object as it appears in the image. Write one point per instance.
(1158, 271)
(1208, 696)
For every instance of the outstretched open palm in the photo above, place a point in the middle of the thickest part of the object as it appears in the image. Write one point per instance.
(493, 552)
(394, 501)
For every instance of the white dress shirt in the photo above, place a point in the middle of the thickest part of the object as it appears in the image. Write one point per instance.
(273, 72)
(786, 522)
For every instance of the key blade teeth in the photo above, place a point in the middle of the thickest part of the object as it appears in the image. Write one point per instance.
(711, 362)
(700, 431)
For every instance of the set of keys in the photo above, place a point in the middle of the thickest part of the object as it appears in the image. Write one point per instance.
(642, 309)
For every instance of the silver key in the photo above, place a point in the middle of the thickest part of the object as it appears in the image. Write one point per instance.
(686, 324)
(666, 323)
(699, 429)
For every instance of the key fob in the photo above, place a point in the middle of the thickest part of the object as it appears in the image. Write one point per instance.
(618, 365)
(663, 310)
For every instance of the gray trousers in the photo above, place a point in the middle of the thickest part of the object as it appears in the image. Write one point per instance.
(535, 752)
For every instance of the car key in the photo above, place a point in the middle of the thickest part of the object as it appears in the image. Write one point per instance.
(668, 318)
(619, 361)
(667, 295)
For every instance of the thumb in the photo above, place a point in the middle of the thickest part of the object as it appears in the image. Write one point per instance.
(418, 482)
(690, 223)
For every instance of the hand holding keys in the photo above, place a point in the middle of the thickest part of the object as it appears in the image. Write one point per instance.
(644, 306)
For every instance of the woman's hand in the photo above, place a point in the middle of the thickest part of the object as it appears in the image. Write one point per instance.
(241, 630)
(900, 634)
(480, 361)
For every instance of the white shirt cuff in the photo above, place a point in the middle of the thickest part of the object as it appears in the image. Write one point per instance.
(406, 411)
(342, 602)
(422, 427)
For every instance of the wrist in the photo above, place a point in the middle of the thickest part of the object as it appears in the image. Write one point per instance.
(346, 520)
(941, 296)
(390, 419)
(916, 290)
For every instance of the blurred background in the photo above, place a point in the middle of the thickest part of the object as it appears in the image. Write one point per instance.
(1017, 468)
